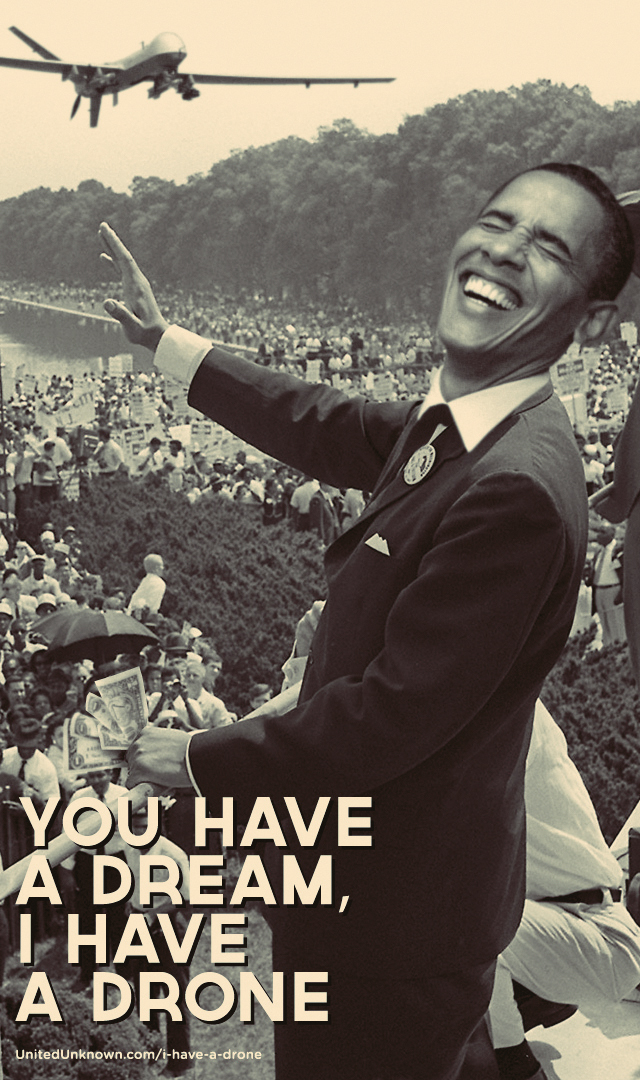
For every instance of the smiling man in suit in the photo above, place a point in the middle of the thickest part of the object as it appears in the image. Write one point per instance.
(449, 600)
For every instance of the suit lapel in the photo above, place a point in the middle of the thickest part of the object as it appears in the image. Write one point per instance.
(448, 445)
(392, 484)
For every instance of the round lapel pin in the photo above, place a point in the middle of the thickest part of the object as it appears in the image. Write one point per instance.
(419, 464)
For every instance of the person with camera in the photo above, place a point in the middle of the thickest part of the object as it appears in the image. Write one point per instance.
(196, 706)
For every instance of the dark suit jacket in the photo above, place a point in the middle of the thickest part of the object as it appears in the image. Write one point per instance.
(424, 668)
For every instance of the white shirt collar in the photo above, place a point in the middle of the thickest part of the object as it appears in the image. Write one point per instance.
(475, 415)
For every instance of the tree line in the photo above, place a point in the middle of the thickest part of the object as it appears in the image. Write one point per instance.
(347, 215)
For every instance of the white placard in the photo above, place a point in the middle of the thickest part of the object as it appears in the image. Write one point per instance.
(313, 371)
(629, 333)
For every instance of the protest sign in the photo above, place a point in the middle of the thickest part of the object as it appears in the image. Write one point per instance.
(313, 371)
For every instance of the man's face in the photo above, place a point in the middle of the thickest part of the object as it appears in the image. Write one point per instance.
(12, 586)
(193, 679)
(16, 693)
(261, 699)
(154, 682)
(212, 670)
(517, 280)
(99, 781)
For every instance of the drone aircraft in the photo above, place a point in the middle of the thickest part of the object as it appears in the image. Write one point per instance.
(156, 63)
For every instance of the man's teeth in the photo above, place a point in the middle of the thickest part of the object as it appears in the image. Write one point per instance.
(481, 289)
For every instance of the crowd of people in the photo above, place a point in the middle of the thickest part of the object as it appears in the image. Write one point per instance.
(40, 690)
(279, 332)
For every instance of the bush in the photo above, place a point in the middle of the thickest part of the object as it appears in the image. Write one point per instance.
(78, 1032)
(243, 584)
(593, 697)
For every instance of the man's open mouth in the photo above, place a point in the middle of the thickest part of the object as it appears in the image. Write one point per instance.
(490, 293)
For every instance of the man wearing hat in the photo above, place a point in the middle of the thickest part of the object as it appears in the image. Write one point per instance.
(70, 537)
(449, 601)
(199, 468)
(64, 573)
(25, 760)
(37, 581)
(47, 604)
(6, 618)
(48, 542)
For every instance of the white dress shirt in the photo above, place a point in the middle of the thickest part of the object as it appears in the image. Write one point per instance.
(566, 851)
(476, 414)
(39, 772)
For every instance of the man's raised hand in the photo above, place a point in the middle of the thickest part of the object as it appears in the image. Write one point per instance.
(158, 756)
(139, 316)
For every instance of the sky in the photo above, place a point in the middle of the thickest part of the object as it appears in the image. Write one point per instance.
(435, 51)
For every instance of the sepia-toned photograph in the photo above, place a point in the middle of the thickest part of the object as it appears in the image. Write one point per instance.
(319, 457)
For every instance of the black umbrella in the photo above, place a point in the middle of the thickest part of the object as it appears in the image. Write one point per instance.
(92, 635)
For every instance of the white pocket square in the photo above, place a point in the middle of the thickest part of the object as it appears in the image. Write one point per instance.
(378, 543)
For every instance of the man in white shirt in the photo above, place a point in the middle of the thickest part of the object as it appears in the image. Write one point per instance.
(448, 603)
(38, 582)
(607, 587)
(301, 501)
(26, 761)
(151, 459)
(197, 707)
(575, 943)
(147, 598)
(108, 454)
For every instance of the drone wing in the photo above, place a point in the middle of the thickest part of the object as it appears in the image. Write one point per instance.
(266, 80)
(50, 62)
(55, 66)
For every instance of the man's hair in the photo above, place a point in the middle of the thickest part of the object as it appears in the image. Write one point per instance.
(616, 248)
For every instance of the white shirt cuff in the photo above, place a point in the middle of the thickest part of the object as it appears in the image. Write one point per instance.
(180, 353)
(186, 756)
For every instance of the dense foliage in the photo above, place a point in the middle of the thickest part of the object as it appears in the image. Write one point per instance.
(243, 584)
(347, 215)
(593, 697)
(78, 1032)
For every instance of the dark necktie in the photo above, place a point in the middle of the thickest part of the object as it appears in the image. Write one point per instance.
(431, 417)
(425, 430)
(23, 762)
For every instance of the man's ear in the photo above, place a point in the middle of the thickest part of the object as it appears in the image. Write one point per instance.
(595, 322)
